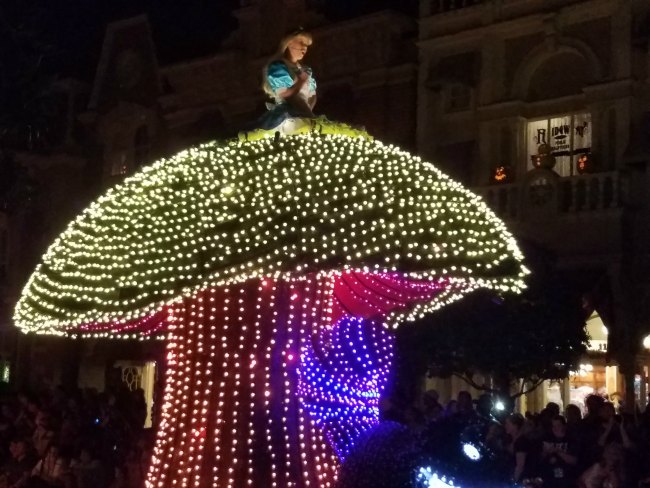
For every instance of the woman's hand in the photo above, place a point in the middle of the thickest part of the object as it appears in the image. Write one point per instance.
(302, 77)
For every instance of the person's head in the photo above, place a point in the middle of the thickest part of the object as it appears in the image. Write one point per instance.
(43, 420)
(573, 413)
(465, 401)
(293, 46)
(451, 408)
(18, 448)
(531, 425)
(607, 411)
(558, 426)
(514, 424)
(553, 409)
(430, 399)
(593, 403)
(485, 404)
(435, 412)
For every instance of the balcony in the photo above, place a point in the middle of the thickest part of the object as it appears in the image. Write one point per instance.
(578, 217)
(543, 193)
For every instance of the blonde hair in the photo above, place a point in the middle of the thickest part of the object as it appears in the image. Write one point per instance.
(279, 55)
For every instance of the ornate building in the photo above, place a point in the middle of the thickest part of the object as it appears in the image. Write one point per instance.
(543, 107)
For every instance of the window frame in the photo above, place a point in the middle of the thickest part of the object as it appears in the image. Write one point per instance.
(573, 150)
(448, 98)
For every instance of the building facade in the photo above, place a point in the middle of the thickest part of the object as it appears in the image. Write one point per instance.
(543, 107)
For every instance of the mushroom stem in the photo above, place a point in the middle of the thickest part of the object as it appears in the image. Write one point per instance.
(268, 379)
(231, 415)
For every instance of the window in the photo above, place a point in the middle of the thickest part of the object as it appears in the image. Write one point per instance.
(118, 165)
(458, 98)
(566, 138)
(142, 146)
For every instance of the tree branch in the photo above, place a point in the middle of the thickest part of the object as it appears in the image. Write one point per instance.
(472, 383)
(523, 391)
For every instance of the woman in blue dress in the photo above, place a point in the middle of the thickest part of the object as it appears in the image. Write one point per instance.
(290, 84)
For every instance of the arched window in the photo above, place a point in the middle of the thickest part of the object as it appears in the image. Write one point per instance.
(564, 74)
(141, 147)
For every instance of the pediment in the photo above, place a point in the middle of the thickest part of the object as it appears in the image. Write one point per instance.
(128, 67)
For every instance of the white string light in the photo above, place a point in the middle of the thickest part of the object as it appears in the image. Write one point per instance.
(223, 213)
(244, 254)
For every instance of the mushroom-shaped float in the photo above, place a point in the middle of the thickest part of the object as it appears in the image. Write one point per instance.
(267, 265)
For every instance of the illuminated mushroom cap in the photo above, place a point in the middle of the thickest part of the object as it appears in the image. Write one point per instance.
(225, 212)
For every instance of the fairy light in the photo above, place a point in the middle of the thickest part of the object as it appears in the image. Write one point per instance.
(342, 376)
(245, 256)
(224, 213)
(323, 364)
(471, 451)
(428, 478)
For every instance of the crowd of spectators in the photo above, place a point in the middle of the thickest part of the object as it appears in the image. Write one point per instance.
(78, 439)
(601, 449)
(86, 439)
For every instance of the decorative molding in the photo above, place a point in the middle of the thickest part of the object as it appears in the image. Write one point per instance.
(545, 52)
(105, 60)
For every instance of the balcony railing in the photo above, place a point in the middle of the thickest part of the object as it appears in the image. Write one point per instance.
(433, 7)
(578, 194)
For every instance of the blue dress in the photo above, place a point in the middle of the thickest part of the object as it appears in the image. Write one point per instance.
(279, 77)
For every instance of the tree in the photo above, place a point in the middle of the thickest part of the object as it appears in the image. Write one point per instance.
(506, 345)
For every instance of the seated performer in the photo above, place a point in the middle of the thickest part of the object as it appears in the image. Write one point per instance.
(290, 84)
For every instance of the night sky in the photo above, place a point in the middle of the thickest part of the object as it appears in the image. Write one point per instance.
(70, 32)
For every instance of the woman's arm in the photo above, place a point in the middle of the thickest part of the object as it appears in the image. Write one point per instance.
(289, 88)
(286, 93)
(627, 443)
(598, 476)
(590, 478)
(520, 462)
(38, 468)
(603, 437)
(568, 458)
(281, 83)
